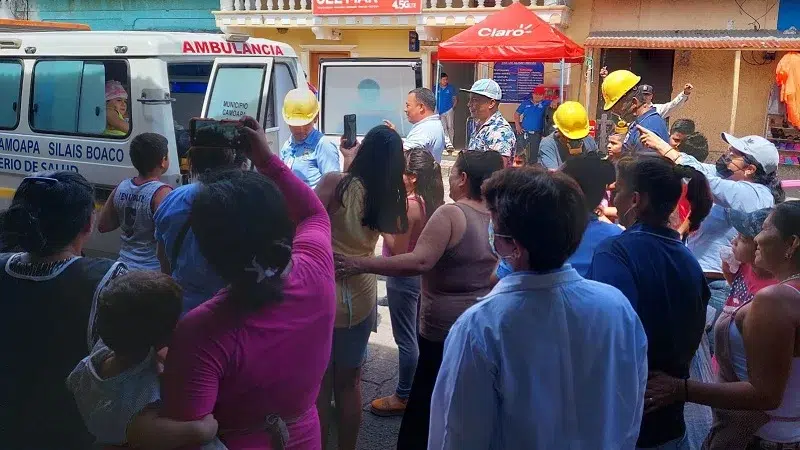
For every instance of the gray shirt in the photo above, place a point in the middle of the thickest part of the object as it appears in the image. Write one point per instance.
(551, 158)
(134, 205)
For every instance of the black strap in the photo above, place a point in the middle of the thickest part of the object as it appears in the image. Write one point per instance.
(176, 248)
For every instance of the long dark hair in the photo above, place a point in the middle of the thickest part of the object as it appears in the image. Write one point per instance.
(429, 178)
(663, 183)
(243, 229)
(769, 180)
(379, 166)
(48, 212)
(478, 166)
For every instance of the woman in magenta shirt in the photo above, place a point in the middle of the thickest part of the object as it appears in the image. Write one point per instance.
(259, 348)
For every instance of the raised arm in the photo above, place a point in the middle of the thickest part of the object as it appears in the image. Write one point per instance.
(313, 235)
(109, 219)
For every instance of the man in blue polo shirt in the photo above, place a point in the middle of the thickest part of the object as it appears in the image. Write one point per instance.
(529, 122)
(446, 101)
(627, 98)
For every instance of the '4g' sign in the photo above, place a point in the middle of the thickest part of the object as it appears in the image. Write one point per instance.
(365, 7)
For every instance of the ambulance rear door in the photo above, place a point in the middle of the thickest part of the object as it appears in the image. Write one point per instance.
(238, 87)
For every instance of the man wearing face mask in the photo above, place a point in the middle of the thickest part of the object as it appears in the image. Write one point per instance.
(570, 139)
(745, 179)
(625, 97)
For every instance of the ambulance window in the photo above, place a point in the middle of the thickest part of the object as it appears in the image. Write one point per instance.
(10, 91)
(81, 97)
(284, 82)
(236, 92)
(372, 93)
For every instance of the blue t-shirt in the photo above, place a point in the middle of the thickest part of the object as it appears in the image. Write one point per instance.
(596, 232)
(653, 122)
(533, 115)
(192, 272)
(666, 286)
(444, 98)
(312, 158)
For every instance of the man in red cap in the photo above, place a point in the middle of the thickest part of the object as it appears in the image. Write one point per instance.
(529, 122)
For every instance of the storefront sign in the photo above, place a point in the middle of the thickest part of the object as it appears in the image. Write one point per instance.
(517, 79)
(365, 7)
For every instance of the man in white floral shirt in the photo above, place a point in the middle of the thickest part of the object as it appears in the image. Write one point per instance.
(492, 131)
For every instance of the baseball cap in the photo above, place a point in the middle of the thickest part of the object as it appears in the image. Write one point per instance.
(756, 147)
(487, 88)
(540, 90)
(748, 224)
(647, 89)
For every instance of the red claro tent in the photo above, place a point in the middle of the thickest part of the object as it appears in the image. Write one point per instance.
(512, 34)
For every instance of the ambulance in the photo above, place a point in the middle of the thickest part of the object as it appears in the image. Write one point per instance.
(53, 99)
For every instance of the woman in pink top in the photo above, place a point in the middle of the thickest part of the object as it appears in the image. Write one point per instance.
(423, 181)
(259, 348)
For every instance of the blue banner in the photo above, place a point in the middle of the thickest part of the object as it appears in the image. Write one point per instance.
(517, 79)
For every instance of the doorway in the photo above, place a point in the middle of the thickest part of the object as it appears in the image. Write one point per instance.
(654, 66)
(460, 75)
(314, 57)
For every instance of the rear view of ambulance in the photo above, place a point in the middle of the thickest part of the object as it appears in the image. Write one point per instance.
(75, 100)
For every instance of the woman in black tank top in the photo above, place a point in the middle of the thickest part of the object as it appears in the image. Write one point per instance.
(49, 294)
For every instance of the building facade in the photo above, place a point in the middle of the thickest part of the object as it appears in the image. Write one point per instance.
(125, 15)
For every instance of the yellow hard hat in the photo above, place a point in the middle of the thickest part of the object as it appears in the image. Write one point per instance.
(571, 120)
(616, 85)
(300, 107)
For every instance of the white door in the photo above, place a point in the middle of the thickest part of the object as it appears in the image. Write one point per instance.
(238, 87)
(374, 89)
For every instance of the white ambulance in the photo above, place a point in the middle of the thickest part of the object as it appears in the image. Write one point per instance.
(53, 109)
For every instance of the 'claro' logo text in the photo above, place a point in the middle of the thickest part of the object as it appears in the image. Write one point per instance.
(499, 32)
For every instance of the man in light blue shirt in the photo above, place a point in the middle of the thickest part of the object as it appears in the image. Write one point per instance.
(548, 360)
(307, 152)
(427, 133)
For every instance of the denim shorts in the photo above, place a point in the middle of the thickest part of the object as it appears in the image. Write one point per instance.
(350, 344)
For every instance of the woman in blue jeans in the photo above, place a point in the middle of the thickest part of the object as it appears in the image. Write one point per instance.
(423, 180)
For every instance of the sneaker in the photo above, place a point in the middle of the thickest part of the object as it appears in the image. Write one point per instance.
(388, 406)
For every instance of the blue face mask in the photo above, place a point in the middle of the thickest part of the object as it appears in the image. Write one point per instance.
(504, 269)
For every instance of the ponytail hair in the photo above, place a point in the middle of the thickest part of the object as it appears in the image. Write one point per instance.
(429, 178)
(662, 183)
(698, 193)
(242, 226)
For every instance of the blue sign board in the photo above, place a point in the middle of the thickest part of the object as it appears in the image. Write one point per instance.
(517, 79)
(788, 14)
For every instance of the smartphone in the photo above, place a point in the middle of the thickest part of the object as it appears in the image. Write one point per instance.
(349, 130)
(215, 133)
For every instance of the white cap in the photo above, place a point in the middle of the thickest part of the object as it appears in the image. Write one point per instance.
(487, 88)
(756, 147)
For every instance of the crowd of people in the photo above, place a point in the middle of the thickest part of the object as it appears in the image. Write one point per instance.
(608, 296)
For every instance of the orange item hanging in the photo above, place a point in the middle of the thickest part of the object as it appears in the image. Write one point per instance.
(787, 75)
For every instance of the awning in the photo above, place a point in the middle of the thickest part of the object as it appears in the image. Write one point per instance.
(514, 33)
(764, 40)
